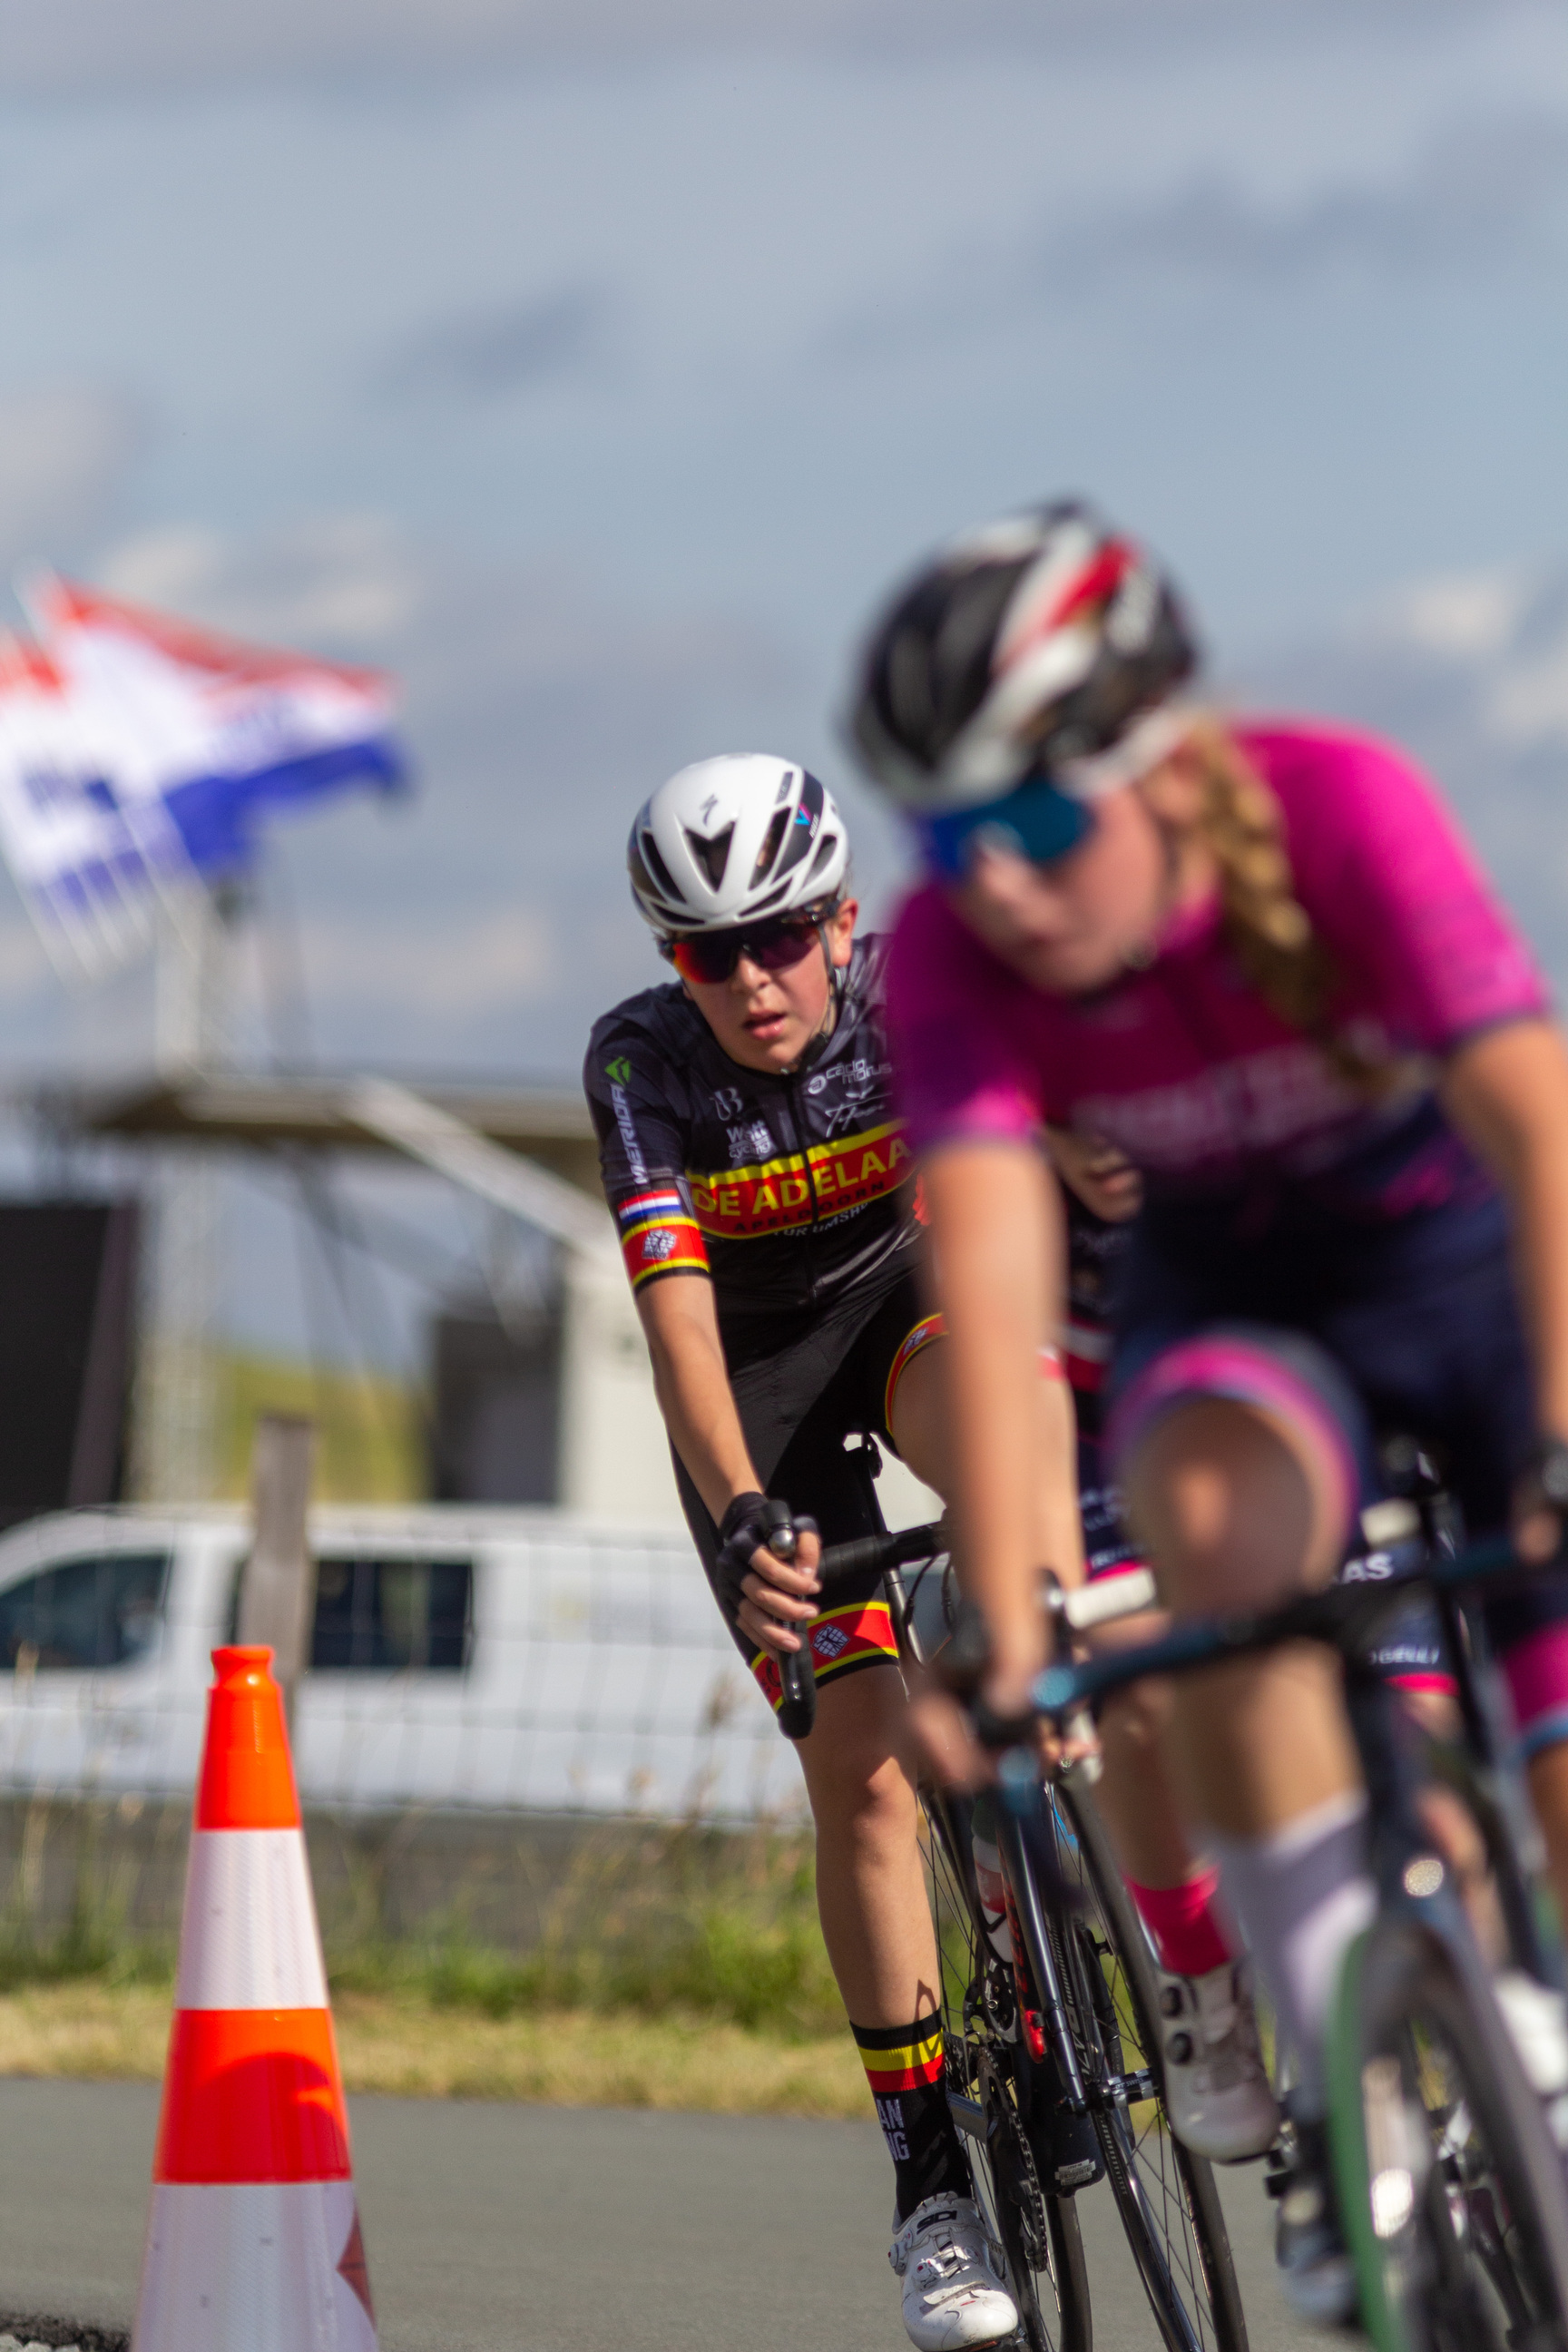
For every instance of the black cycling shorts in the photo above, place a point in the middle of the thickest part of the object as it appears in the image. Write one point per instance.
(834, 1380)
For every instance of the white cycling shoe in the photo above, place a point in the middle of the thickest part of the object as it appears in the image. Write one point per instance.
(1537, 2025)
(1217, 2092)
(952, 2296)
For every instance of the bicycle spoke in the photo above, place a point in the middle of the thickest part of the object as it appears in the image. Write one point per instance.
(1172, 2226)
(1035, 2237)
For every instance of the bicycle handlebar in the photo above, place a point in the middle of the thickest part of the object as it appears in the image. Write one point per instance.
(1081, 1610)
(1340, 1614)
(865, 1554)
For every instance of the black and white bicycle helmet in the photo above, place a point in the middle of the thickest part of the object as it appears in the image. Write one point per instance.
(1029, 646)
(734, 840)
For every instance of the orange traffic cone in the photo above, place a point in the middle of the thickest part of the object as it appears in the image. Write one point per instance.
(253, 2245)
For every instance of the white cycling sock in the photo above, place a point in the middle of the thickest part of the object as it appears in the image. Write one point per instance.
(1301, 1894)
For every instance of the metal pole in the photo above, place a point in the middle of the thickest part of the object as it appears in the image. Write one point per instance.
(278, 1589)
(174, 1418)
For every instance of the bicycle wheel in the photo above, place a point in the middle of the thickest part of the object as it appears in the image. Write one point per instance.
(1166, 2195)
(1035, 2237)
(1450, 2189)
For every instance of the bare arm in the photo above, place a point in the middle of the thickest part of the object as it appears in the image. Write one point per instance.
(1508, 1093)
(692, 1384)
(691, 1381)
(998, 1233)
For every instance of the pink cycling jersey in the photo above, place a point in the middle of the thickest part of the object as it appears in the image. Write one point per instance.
(1184, 1066)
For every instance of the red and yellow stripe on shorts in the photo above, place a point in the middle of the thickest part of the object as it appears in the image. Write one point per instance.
(929, 1328)
(901, 2057)
(934, 1327)
(842, 1641)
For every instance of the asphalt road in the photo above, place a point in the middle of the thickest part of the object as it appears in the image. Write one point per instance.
(514, 2229)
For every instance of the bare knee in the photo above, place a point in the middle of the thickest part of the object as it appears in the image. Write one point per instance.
(858, 1767)
(870, 1812)
(1232, 1505)
(1136, 1720)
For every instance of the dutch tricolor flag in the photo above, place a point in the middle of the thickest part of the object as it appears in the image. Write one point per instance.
(137, 751)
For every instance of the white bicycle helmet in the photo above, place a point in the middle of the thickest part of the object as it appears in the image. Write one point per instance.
(735, 839)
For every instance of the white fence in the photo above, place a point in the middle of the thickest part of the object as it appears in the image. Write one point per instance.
(512, 1660)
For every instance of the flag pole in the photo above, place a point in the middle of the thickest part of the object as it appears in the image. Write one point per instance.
(174, 1406)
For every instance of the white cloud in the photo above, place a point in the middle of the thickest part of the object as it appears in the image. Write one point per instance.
(64, 453)
(1470, 671)
(1499, 634)
(347, 580)
(1528, 705)
(1461, 615)
(447, 970)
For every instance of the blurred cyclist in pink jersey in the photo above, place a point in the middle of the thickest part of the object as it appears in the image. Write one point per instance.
(1259, 961)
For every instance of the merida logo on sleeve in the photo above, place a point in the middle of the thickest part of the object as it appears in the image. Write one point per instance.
(618, 1072)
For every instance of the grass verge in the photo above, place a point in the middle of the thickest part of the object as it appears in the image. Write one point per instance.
(407, 2043)
(683, 1969)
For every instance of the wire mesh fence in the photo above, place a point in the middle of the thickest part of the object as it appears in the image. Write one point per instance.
(500, 1661)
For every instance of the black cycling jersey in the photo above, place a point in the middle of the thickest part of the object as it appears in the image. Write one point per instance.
(791, 1193)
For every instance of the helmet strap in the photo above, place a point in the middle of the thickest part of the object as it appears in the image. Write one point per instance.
(838, 978)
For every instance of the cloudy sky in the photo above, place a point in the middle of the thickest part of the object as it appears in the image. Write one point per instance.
(597, 364)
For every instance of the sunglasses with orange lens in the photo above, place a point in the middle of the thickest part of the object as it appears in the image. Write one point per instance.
(706, 958)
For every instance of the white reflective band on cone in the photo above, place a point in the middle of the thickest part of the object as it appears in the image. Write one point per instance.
(249, 1940)
(266, 2267)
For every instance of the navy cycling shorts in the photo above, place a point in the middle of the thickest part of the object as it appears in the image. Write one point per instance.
(1355, 1330)
(828, 1384)
(1410, 1654)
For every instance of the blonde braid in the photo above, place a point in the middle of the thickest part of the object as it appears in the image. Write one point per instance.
(1269, 929)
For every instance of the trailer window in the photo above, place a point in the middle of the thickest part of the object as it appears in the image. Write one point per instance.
(392, 1614)
(99, 1610)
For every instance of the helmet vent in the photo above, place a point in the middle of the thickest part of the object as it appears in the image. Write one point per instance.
(713, 855)
(807, 818)
(825, 849)
(770, 848)
(663, 881)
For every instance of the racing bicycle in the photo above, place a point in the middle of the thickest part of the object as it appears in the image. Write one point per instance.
(1449, 2181)
(1052, 2048)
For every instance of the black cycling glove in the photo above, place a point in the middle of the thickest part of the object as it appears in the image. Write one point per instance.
(748, 1523)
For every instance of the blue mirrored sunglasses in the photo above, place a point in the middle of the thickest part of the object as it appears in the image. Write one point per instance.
(1036, 817)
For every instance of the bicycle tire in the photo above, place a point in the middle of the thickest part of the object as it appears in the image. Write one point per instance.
(1166, 2195)
(1035, 2237)
(1450, 2189)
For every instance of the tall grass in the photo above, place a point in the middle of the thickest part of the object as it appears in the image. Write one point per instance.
(684, 1921)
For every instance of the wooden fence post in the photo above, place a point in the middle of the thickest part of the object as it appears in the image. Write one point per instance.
(277, 1596)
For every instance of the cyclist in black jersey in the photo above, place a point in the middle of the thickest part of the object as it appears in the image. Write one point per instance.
(749, 1143)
